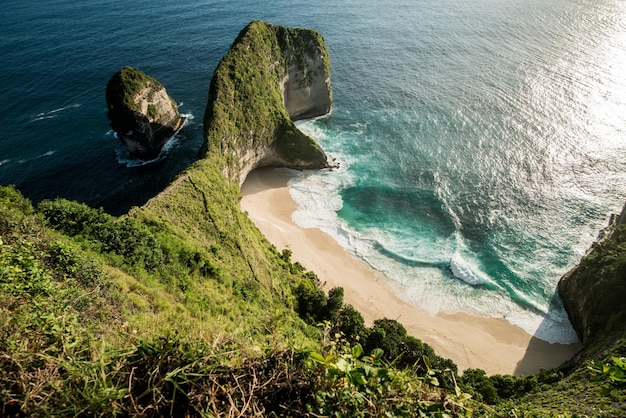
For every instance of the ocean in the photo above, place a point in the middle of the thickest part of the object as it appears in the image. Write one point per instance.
(482, 144)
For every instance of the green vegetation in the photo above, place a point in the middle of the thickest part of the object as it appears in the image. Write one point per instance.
(593, 294)
(615, 374)
(183, 308)
(152, 112)
(124, 86)
(156, 312)
(122, 316)
(126, 114)
(349, 383)
(246, 108)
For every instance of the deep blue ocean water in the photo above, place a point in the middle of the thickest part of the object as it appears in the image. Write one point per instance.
(482, 143)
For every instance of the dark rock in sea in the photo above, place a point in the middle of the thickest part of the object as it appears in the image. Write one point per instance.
(141, 112)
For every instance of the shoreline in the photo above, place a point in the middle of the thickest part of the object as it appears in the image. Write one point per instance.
(471, 341)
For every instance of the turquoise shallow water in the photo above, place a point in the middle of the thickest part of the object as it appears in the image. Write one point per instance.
(482, 144)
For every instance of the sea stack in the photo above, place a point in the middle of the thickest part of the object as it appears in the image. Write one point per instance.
(141, 112)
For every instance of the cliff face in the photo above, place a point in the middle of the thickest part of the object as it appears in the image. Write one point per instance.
(141, 112)
(270, 77)
(306, 85)
(593, 292)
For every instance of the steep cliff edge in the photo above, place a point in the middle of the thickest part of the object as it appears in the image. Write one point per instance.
(141, 112)
(593, 292)
(270, 77)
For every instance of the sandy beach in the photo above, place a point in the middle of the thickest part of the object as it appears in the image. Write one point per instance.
(491, 344)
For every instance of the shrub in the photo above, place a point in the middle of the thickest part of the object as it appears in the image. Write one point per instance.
(406, 351)
(126, 237)
(131, 240)
(334, 302)
(477, 382)
(389, 335)
(613, 375)
(72, 218)
(311, 301)
(349, 384)
(351, 324)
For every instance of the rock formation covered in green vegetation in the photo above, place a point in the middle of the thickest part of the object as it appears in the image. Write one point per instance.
(270, 77)
(593, 292)
(141, 112)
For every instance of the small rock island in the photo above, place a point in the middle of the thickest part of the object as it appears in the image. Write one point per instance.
(141, 112)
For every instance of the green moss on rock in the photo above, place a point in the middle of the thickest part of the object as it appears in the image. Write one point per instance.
(124, 86)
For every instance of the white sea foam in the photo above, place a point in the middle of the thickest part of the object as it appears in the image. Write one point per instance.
(424, 284)
(53, 113)
(124, 158)
(45, 154)
(461, 270)
(464, 267)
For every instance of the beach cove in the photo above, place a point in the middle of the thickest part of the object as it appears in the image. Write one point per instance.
(491, 344)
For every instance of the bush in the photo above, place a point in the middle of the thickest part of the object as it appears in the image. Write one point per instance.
(389, 335)
(406, 351)
(478, 383)
(15, 211)
(348, 383)
(72, 218)
(334, 302)
(351, 324)
(68, 261)
(311, 301)
(125, 237)
(131, 240)
(314, 307)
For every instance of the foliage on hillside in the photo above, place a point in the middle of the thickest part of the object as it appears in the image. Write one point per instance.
(123, 316)
(135, 316)
(594, 291)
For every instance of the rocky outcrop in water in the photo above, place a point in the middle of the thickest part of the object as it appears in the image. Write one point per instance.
(270, 77)
(141, 112)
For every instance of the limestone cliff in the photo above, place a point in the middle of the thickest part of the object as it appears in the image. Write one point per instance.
(270, 77)
(141, 112)
(593, 292)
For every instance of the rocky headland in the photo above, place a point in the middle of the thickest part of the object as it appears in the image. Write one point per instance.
(593, 291)
(271, 77)
(141, 112)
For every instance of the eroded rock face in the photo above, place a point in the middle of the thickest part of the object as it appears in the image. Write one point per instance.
(141, 112)
(270, 77)
(306, 85)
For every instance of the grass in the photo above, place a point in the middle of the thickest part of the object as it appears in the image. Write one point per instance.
(85, 333)
(124, 86)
